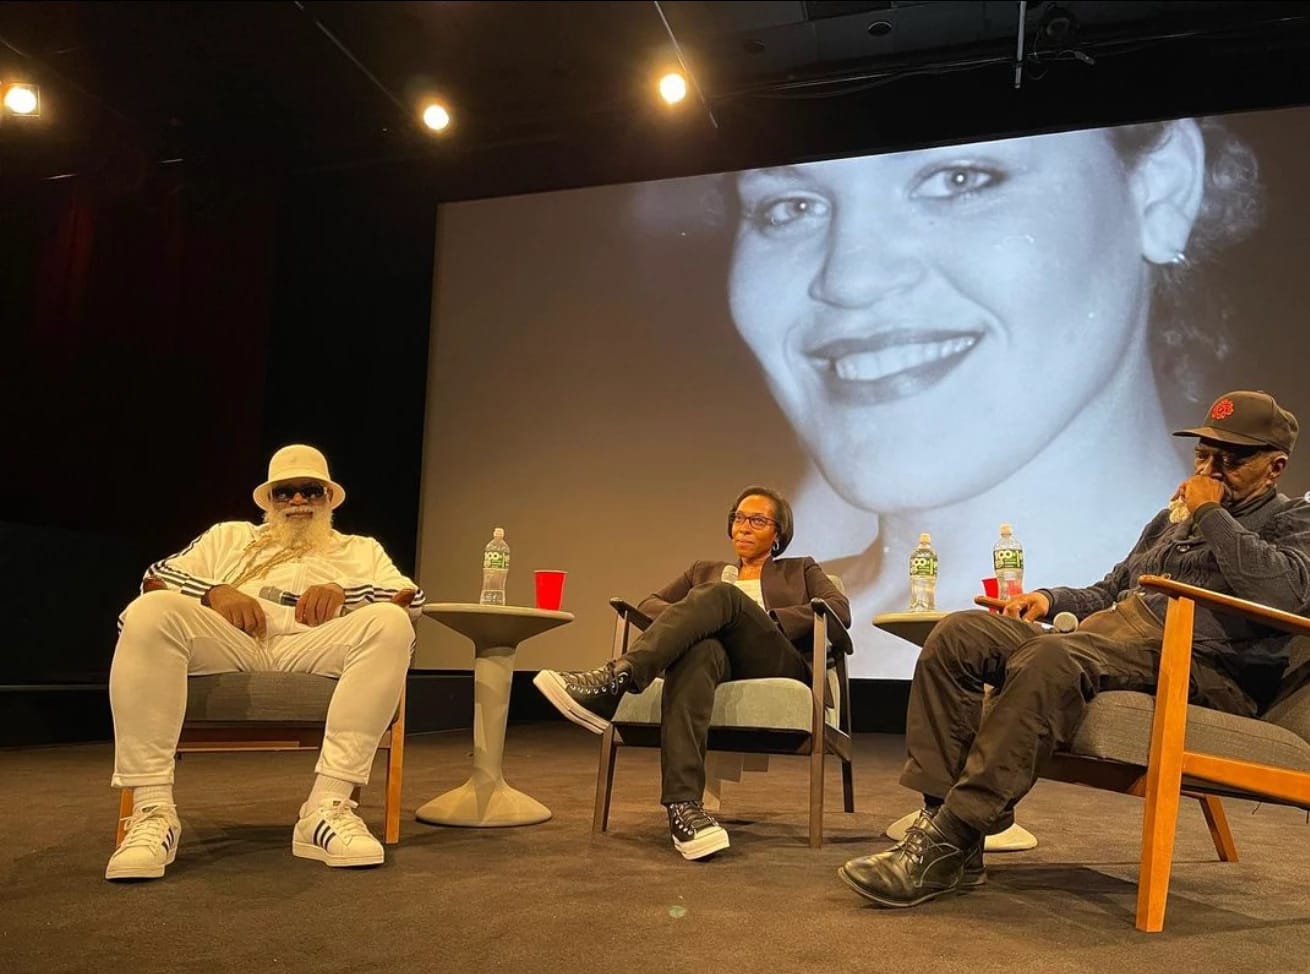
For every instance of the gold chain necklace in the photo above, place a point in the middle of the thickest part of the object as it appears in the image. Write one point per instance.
(252, 571)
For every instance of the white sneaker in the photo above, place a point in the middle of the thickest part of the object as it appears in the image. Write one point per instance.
(334, 834)
(149, 845)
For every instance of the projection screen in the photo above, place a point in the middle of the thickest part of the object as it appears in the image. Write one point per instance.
(938, 340)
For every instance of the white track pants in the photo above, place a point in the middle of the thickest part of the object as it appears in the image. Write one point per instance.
(168, 636)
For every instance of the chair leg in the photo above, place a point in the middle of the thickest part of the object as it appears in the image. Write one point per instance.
(124, 812)
(600, 817)
(848, 785)
(1164, 770)
(816, 796)
(395, 776)
(1212, 808)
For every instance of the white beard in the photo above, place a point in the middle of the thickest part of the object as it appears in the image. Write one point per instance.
(306, 534)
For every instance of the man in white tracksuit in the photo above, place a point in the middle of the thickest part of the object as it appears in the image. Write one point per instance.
(293, 595)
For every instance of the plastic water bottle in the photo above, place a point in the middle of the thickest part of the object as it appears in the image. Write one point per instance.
(495, 568)
(1007, 559)
(923, 576)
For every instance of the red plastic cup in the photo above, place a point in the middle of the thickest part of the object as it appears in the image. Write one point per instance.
(992, 588)
(550, 589)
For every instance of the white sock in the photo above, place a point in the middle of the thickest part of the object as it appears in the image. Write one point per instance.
(143, 796)
(326, 789)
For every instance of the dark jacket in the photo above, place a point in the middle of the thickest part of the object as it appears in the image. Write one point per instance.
(1260, 551)
(788, 585)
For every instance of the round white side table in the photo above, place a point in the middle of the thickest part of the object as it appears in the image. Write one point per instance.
(486, 800)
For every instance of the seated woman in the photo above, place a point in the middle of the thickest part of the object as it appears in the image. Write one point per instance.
(709, 629)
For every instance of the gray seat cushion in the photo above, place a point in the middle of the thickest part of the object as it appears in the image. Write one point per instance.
(270, 697)
(774, 703)
(1118, 727)
(1292, 713)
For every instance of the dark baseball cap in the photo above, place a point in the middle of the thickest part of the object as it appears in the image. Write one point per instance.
(1248, 419)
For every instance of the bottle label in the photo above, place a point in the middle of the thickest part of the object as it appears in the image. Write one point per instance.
(495, 559)
(1003, 558)
(923, 566)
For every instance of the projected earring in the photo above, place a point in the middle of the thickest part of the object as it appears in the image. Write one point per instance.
(1179, 259)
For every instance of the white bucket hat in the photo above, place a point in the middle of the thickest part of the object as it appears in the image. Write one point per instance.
(298, 462)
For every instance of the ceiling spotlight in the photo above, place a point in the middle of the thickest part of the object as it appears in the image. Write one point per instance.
(673, 88)
(436, 117)
(21, 99)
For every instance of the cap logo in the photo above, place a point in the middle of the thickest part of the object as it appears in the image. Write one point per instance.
(1222, 409)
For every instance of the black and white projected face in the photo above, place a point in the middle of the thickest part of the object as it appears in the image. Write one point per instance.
(938, 340)
(909, 308)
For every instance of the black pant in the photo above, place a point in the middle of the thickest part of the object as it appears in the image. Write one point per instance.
(716, 634)
(1044, 682)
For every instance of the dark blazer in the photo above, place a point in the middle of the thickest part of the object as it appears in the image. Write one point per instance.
(788, 585)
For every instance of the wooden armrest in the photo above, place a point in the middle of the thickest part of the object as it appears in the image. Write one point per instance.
(630, 613)
(838, 637)
(1274, 618)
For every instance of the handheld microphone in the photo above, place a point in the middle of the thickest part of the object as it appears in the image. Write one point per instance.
(729, 574)
(271, 593)
(1064, 622)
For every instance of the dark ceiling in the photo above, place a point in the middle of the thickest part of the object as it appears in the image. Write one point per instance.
(547, 95)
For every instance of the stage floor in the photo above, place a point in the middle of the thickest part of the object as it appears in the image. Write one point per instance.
(553, 898)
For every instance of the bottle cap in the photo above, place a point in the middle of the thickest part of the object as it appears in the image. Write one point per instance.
(925, 538)
(498, 533)
(1006, 530)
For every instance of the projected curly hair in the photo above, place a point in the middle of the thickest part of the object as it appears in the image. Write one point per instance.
(1190, 334)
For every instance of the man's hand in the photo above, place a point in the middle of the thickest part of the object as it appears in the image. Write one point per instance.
(320, 603)
(1030, 606)
(404, 597)
(1199, 490)
(239, 609)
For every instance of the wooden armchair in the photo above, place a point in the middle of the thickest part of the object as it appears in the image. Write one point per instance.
(1162, 749)
(766, 716)
(272, 711)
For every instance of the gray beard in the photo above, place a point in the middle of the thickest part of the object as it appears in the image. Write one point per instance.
(312, 534)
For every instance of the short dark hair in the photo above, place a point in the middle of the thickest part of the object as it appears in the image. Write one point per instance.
(781, 514)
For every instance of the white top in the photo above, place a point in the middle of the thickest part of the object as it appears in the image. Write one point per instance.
(358, 564)
(751, 586)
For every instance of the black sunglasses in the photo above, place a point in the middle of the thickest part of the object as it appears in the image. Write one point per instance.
(285, 492)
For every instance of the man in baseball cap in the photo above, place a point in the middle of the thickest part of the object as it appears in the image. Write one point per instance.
(1229, 530)
(1243, 450)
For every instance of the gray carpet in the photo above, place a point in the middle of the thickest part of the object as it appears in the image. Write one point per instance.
(552, 898)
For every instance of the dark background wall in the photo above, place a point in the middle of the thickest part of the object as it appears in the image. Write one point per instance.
(160, 340)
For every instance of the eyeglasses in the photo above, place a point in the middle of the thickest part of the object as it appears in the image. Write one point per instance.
(1229, 458)
(285, 492)
(758, 521)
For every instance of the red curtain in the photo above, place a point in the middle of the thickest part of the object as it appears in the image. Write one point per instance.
(134, 322)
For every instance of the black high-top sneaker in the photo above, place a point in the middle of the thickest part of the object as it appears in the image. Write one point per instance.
(695, 832)
(588, 698)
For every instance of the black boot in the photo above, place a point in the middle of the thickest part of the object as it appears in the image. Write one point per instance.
(925, 865)
(587, 698)
(974, 873)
